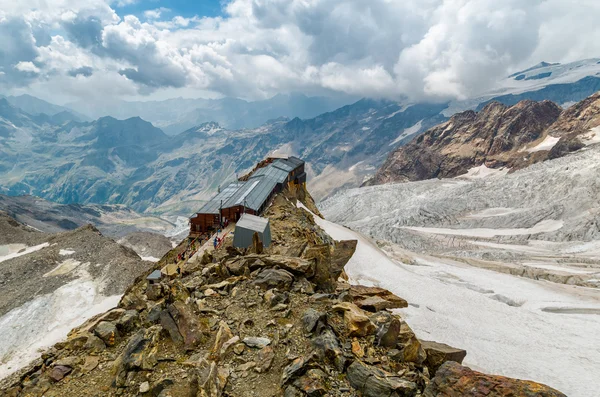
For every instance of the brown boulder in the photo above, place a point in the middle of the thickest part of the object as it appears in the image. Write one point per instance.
(374, 299)
(298, 266)
(191, 329)
(223, 335)
(410, 347)
(107, 331)
(264, 359)
(439, 353)
(169, 325)
(374, 382)
(341, 254)
(452, 379)
(140, 353)
(58, 372)
(274, 278)
(388, 329)
(313, 383)
(356, 320)
(325, 277)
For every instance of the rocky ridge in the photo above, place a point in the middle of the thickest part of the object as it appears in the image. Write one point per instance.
(115, 221)
(497, 137)
(263, 322)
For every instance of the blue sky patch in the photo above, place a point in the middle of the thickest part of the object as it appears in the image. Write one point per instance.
(184, 8)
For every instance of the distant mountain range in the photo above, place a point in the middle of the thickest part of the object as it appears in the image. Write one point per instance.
(176, 115)
(132, 162)
(35, 106)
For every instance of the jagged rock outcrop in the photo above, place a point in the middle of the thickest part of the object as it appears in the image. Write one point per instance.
(468, 140)
(498, 136)
(282, 323)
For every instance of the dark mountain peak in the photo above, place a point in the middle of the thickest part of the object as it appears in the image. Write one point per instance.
(209, 124)
(64, 117)
(295, 123)
(277, 120)
(106, 119)
(463, 117)
(493, 107)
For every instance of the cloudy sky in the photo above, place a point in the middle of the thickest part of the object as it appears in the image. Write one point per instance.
(101, 49)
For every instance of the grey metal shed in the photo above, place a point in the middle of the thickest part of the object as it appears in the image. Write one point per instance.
(247, 226)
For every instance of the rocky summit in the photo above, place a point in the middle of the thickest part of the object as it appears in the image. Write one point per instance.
(497, 137)
(266, 321)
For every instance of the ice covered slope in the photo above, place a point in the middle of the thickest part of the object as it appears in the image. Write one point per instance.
(565, 189)
(506, 266)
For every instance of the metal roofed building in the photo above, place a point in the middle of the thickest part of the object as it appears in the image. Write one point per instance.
(250, 194)
(247, 226)
(154, 277)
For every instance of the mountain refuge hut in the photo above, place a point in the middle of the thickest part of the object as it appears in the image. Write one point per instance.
(250, 194)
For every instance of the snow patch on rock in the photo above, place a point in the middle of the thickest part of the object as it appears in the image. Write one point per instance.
(47, 319)
(408, 132)
(22, 252)
(150, 259)
(547, 144)
(483, 172)
(592, 137)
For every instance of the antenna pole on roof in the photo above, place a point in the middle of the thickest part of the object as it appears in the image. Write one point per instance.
(221, 213)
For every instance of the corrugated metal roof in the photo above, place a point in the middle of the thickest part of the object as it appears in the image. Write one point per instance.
(272, 172)
(155, 275)
(256, 190)
(254, 194)
(252, 222)
(282, 165)
(212, 207)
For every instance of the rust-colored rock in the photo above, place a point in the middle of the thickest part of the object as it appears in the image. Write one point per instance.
(374, 299)
(452, 379)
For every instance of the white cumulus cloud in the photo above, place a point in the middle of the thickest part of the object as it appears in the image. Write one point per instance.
(422, 49)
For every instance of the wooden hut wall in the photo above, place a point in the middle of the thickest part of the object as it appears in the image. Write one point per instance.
(203, 222)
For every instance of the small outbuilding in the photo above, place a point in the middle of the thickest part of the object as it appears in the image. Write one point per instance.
(153, 289)
(154, 277)
(247, 226)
